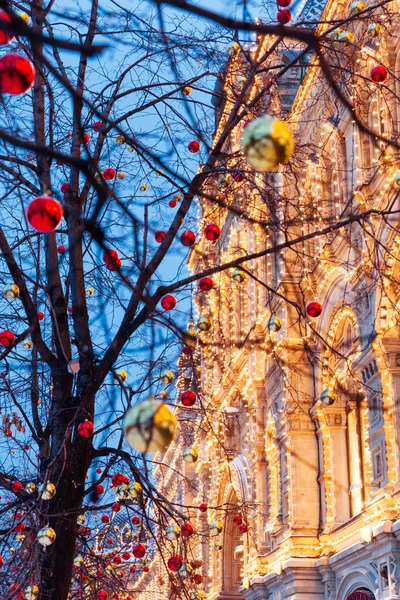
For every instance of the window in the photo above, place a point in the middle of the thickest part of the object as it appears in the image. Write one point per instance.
(377, 464)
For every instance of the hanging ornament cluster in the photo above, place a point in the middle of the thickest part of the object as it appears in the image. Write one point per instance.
(267, 143)
(17, 74)
(149, 426)
(44, 214)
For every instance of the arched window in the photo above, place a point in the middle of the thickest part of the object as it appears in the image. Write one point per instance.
(362, 594)
(233, 551)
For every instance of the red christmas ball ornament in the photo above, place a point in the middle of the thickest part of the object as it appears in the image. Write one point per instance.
(237, 519)
(139, 550)
(188, 398)
(17, 74)
(172, 203)
(187, 529)
(186, 351)
(6, 338)
(243, 528)
(99, 471)
(133, 569)
(379, 74)
(284, 3)
(212, 232)
(40, 316)
(61, 249)
(314, 309)
(105, 519)
(126, 555)
(44, 214)
(109, 174)
(188, 238)
(159, 236)
(114, 266)
(284, 17)
(96, 126)
(86, 138)
(117, 560)
(206, 284)
(146, 568)
(86, 429)
(135, 521)
(194, 146)
(112, 260)
(99, 489)
(5, 36)
(168, 302)
(119, 479)
(64, 187)
(203, 507)
(116, 507)
(175, 562)
(237, 176)
(16, 487)
(20, 528)
(102, 595)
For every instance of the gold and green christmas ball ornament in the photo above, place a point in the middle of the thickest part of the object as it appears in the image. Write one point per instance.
(374, 30)
(149, 426)
(267, 143)
(327, 396)
(190, 455)
(11, 291)
(134, 490)
(31, 592)
(167, 377)
(204, 323)
(238, 275)
(172, 532)
(274, 323)
(215, 528)
(46, 536)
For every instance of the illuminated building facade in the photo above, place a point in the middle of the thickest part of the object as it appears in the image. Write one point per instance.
(302, 431)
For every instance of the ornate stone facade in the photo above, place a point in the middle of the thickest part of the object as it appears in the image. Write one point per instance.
(317, 484)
